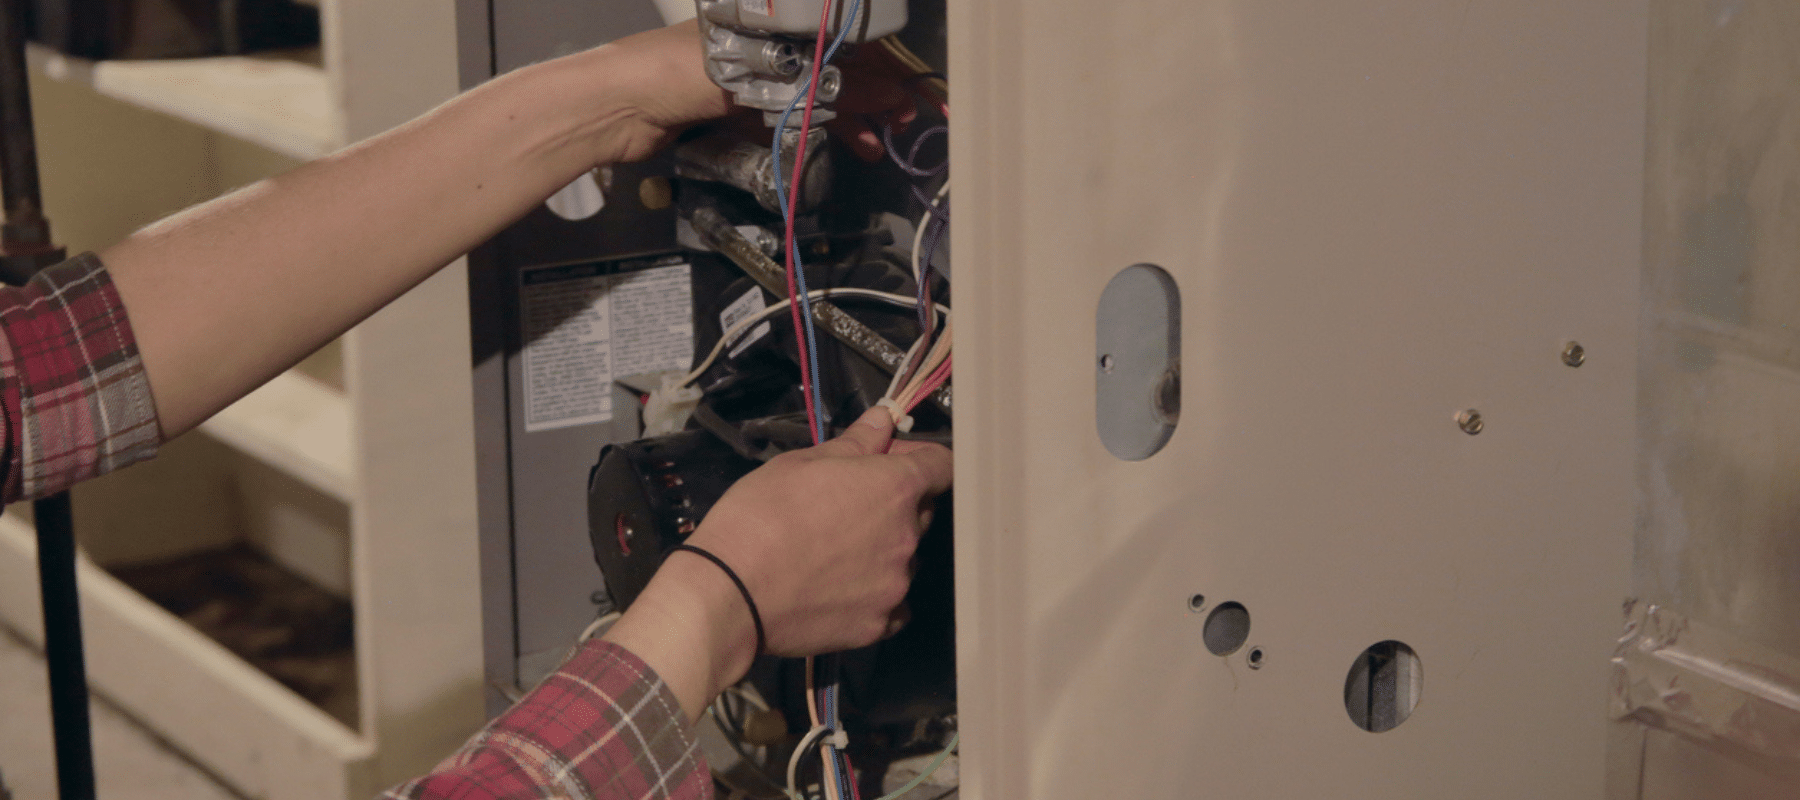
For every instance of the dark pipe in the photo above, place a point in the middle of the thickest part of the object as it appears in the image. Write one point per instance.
(62, 648)
(25, 248)
(18, 163)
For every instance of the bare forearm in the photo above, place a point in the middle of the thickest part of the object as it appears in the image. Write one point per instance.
(692, 628)
(229, 293)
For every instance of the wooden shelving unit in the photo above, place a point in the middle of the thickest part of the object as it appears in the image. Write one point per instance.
(363, 483)
(282, 104)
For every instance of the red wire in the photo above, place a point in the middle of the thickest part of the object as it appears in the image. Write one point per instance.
(793, 210)
(931, 384)
(787, 249)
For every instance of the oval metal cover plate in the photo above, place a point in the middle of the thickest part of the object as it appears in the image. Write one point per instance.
(1137, 332)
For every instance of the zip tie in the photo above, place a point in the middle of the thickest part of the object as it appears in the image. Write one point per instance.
(902, 421)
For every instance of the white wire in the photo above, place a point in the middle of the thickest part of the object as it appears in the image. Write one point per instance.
(903, 371)
(794, 761)
(744, 325)
(919, 235)
(932, 768)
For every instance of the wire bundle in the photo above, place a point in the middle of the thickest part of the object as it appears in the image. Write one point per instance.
(838, 784)
(922, 375)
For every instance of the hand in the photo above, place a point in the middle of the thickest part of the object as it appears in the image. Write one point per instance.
(662, 75)
(673, 92)
(824, 540)
(824, 537)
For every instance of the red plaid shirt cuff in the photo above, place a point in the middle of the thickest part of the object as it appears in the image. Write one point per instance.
(72, 388)
(602, 726)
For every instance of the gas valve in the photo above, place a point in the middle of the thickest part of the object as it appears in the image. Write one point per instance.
(760, 50)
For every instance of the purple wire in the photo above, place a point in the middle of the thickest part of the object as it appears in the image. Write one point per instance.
(934, 232)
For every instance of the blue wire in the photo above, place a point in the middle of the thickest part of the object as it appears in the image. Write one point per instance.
(806, 319)
(810, 336)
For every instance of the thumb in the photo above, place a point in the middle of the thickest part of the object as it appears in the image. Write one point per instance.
(869, 435)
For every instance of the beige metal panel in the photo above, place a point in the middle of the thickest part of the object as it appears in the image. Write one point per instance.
(1379, 214)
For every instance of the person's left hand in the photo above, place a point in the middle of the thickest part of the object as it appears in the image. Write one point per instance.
(671, 92)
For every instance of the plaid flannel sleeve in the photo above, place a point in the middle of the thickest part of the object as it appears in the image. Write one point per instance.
(73, 391)
(602, 726)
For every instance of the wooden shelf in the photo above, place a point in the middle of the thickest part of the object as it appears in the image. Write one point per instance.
(297, 425)
(286, 106)
(248, 729)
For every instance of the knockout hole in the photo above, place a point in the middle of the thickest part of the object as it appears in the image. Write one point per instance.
(1197, 603)
(1383, 686)
(1226, 629)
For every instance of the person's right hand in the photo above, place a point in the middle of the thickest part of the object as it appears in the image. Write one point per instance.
(823, 538)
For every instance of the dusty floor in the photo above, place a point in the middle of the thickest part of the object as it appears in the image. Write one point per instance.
(131, 764)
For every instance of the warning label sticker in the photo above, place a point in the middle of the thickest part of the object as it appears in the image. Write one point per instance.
(585, 325)
(738, 311)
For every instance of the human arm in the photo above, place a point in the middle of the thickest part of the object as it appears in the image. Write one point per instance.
(823, 539)
(230, 293)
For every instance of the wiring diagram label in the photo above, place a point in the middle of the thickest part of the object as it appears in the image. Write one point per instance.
(740, 309)
(587, 324)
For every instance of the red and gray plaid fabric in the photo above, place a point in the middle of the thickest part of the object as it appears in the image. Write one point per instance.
(77, 405)
(72, 387)
(602, 726)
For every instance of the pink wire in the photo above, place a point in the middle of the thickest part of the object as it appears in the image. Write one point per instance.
(793, 210)
(931, 384)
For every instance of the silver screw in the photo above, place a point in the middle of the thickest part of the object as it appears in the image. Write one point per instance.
(767, 243)
(1574, 354)
(1470, 422)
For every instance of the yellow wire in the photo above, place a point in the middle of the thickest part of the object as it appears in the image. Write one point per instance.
(911, 60)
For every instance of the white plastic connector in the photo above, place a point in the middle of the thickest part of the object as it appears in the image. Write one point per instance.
(903, 422)
(839, 740)
(669, 405)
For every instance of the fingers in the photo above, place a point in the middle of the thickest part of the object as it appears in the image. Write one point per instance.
(932, 464)
(897, 620)
(868, 436)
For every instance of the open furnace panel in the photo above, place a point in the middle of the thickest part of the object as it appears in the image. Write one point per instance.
(635, 356)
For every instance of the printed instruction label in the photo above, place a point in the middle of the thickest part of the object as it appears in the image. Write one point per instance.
(741, 309)
(583, 327)
(763, 7)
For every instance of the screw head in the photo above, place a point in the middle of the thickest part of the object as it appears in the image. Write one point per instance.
(1470, 422)
(1574, 354)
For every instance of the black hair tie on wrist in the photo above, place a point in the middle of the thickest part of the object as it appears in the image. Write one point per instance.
(761, 643)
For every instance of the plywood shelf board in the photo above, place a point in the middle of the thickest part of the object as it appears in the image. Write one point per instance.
(286, 106)
(253, 732)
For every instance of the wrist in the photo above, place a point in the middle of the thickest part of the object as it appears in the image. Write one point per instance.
(693, 627)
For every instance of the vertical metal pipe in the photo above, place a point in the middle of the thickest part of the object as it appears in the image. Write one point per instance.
(62, 648)
(25, 248)
(25, 224)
